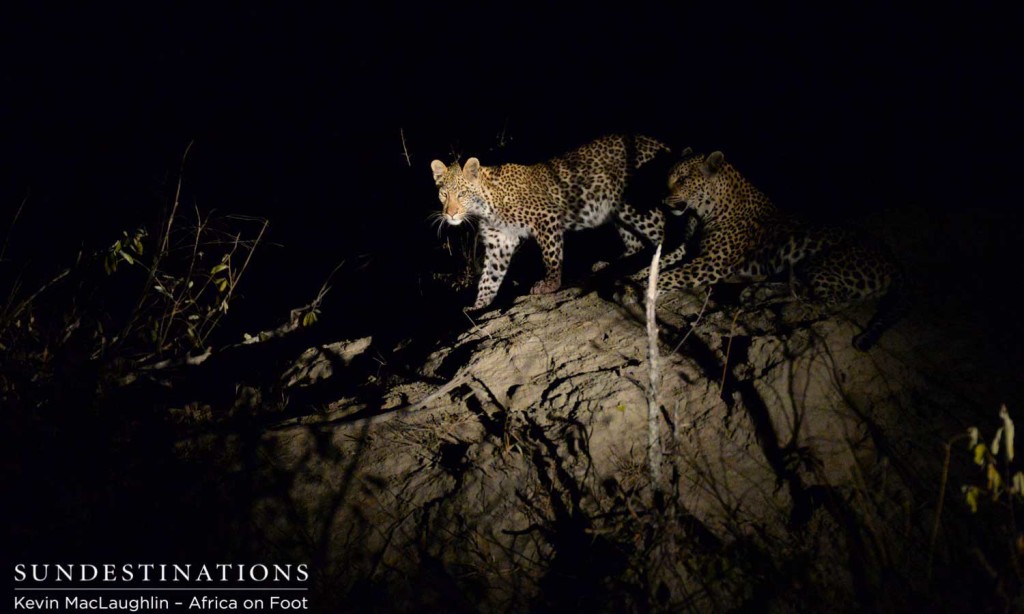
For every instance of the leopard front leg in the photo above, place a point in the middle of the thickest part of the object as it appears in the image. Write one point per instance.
(551, 238)
(498, 250)
(667, 260)
(637, 227)
(655, 230)
(701, 271)
(722, 257)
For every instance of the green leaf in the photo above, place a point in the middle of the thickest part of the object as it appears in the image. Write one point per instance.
(127, 258)
(979, 454)
(222, 285)
(1008, 431)
(971, 496)
(1018, 484)
(218, 269)
(309, 319)
(995, 481)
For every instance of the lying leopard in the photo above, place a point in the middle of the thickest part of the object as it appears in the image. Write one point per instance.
(744, 237)
(582, 189)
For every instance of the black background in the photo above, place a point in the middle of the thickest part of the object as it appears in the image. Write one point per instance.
(296, 113)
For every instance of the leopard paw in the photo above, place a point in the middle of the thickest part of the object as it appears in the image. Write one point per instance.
(545, 286)
(641, 276)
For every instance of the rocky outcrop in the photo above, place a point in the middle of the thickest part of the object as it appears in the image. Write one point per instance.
(514, 474)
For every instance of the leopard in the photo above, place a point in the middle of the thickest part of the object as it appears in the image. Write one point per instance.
(745, 238)
(584, 188)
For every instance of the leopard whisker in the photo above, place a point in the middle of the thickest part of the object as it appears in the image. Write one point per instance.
(436, 220)
(439, 225)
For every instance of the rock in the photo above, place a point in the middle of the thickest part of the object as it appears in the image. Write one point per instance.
(318, 363)
(521, 478)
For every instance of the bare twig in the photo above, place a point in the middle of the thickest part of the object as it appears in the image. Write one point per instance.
(503, 138)
(295, 316)
(325, 287)
(158, 256)
(210, 324)
(942, 498)
(694, 324)
(248, 257)
(405, 149)
(10, 229)
(167, 321)
(654, 452)
(177, 200)
(28, 301)
(476, 327)
(200, 226)
(728, 349)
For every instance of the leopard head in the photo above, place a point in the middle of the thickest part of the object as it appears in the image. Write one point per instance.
(696, 183)
(458, 188)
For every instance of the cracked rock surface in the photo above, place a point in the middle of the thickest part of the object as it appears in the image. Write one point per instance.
(513, 475)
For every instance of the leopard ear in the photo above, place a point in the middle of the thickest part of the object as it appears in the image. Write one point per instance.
(686, 153)
(471, 170)
(713, 163)
(439, 169)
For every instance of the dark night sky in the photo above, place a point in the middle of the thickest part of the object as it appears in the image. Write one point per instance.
(296, 113)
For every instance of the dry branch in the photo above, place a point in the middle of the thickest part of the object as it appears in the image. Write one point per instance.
(405, 149)
(654, 452)
(700, 315)
(10, 229)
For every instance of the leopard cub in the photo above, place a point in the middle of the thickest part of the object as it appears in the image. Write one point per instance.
(581, 189)
(743, 236)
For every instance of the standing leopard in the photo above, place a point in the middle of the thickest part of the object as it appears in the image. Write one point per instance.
(582, 189)
(744, 237)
